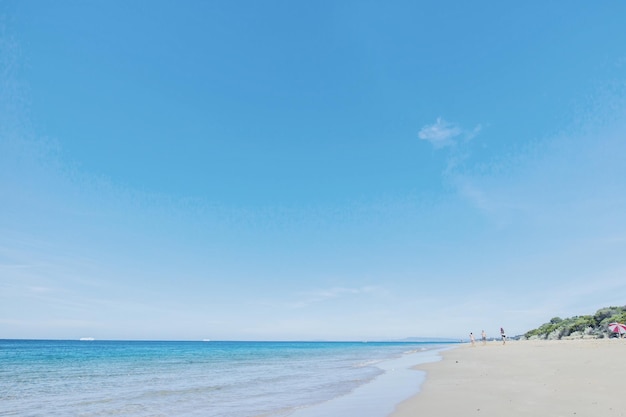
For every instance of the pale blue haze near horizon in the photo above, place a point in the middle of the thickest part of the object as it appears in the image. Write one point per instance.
(352, 170)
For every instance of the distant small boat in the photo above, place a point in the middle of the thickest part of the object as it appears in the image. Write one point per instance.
(87, 339)
(206, 340)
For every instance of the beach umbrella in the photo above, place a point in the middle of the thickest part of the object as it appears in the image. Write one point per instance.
(617, 328)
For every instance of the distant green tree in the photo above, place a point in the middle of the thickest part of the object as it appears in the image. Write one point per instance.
(605, 315)
(597, 323)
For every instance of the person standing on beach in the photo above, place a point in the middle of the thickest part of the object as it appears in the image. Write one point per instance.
(503, 336)
(472, 339)
(483, 335)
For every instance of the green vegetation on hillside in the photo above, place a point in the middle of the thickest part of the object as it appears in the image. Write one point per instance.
(579, 326)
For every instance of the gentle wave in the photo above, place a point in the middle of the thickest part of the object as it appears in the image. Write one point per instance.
(225, 379)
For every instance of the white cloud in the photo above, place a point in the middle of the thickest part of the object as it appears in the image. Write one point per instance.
(474, 132)
(443, 133)
(332, 293)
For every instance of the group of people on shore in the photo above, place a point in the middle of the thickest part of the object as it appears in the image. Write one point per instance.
(483, 337)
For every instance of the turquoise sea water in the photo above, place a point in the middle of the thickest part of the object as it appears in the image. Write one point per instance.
(226, 379)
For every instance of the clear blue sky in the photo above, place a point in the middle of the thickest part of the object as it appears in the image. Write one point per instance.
(309, 170)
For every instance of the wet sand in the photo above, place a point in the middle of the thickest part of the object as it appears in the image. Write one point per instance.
(525, 378)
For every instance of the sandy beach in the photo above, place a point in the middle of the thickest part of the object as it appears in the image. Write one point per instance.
(525, 378)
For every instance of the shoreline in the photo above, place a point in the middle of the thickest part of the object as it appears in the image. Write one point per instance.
(380, 396)
(523, 378)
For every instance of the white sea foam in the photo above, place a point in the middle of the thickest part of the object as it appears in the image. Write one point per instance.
(378, 397)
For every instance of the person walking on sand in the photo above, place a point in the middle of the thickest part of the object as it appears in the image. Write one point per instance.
(503, 336)
(483, 336)
(472, 339)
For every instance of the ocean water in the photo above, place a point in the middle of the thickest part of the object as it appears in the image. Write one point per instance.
(226, 379)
